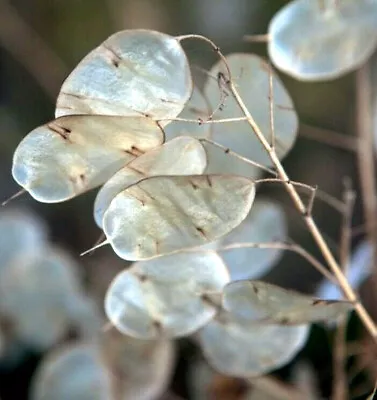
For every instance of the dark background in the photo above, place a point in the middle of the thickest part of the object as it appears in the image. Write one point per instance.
(41, 41)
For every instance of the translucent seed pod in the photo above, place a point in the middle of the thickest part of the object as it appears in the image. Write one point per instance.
(266, 223)
(168, 296)
(165, 214)
(74, 154)
(245, 349)
(315, 41)
(261, 301)
(181, 156)
(73, 372)
(35, 291)
(132, 73)
(140, 369)
(21, 233)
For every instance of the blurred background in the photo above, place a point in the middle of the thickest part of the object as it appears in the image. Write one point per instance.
(41, 41)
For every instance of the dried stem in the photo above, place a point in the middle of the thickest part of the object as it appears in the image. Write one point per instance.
(299, 204)
(329, 137)
(308, 219)
(271, 386)
(346, 232)
(271, 103)
(203, 121)
(262, 38)
(365, 158)
(294, 247)
(340, 386)
(314, 193)
(14, 196)
(27, 47)
(244, 159)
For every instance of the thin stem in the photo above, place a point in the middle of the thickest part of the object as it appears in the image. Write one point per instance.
(27, 47)
(309, 221)
(262, 38)
(271, 103)
(200, 121)
(329, 137)
(365, 158)
(346, 232)
(271, 386)
(294, 247)
(315, 193)
(14, 196)
(340, 387)
(297, 201)
(244, 159)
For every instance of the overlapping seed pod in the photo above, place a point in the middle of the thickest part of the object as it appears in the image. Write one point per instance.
(74, 154)
(261, 301)
(134, 72)
(322, 40)
(168, 296)
(21, 232)
(165, 214)
(139, 369)
(74, 372)
(35, 290)
(180, 156)
(238, 347)
(265, 224)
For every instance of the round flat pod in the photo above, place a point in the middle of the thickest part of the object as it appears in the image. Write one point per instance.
(140, 369)
(20, 233)
(266, 222)
(239, 348)
(167, 296)
(72, 372)
(132, 73)
(261, 301)
(165, 214)
(35, 291)
(181, 156)
(74, 154)
(322, 40)
(251, 76)
(197, 108)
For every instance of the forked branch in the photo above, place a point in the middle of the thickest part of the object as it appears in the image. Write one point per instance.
(298, 202)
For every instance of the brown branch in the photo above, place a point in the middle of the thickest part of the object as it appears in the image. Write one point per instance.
(308, 219)
(294, 247)
(314, 193)
(365, 158)
(30, 50)
(340, 386)
(297, 201)
(329, 137)
(262, 38)
(275, 388)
